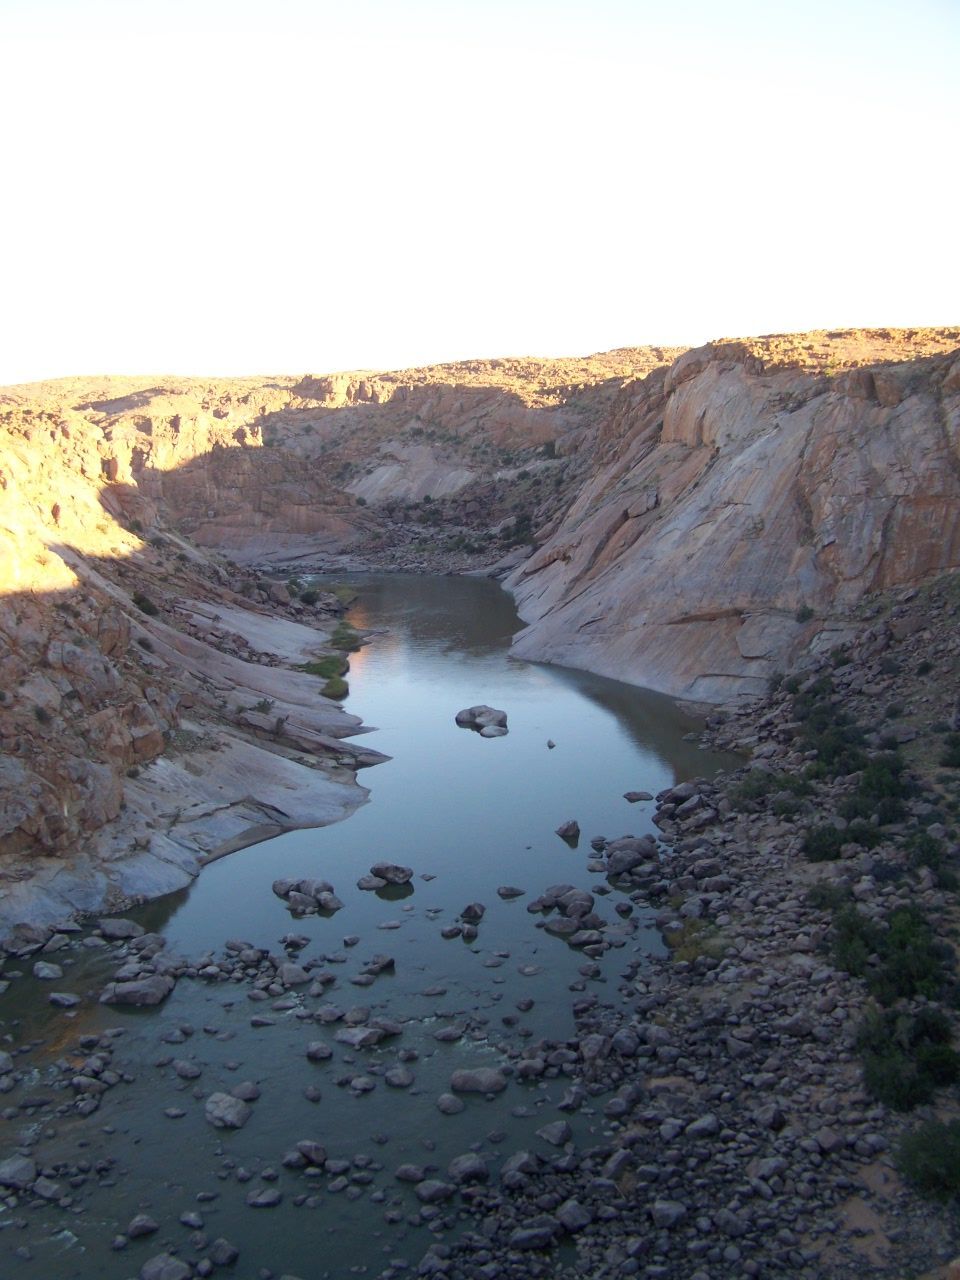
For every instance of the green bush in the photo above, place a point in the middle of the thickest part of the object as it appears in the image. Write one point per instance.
(912, 960)
(827, 729)
(804, 613)
(828, 897)
(909, 959)
(330, 665)
(906, 1057)
(309, 596)
(786, 806)
(929, 1157)
(951, 756)
(145, 604)
(855, 940)
(336, 687)
(864, 834)
(345, 637)
(924, 668)
(823, 844)
(925, 850)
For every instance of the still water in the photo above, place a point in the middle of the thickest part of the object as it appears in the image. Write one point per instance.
(469, 814)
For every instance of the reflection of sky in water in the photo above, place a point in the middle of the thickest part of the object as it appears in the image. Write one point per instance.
(475, 812)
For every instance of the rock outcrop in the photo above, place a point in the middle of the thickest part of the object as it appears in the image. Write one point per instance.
(149, 715)
(742, 501)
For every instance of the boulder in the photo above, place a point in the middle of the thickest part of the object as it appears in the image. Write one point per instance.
(164, 1266)
(483, 719)
(392, 872)
(478, 1080)
(119, 930)
(17, 1172)
(140, 992)
(225, 1112)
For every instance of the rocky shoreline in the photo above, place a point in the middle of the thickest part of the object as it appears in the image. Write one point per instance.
(741, 1136)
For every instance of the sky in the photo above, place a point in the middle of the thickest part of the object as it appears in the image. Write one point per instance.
(282, 186)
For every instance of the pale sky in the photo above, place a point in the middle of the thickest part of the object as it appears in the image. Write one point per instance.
(282, 186)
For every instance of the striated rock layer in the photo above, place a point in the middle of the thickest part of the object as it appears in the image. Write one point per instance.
(742, 501)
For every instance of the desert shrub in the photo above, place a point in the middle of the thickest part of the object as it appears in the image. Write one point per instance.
(912, 960)
(827, 729)
(951, 755)
(864, 834)
(903, 959)
(854, 940)
(906, 1057)
(828, 897)
(823, 844)
(880, 791)
(929, 1157)
(758, 784)
(761, 783)
(310, 596)
(145, 604)
(804, 613)
(924, 668)
(925, 850)
(42, 714)
(336, 687)
(786, 806)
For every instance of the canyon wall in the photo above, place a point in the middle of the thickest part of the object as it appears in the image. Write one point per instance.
(150, 715)
(743, 501)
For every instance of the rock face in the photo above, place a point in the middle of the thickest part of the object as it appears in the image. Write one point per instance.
(741, 500)
(139, 676)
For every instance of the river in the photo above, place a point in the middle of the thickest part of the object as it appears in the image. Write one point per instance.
(469, 814)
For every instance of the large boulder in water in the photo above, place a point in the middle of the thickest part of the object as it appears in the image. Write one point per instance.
(141, 991)
(391, 872)
(487, 721)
